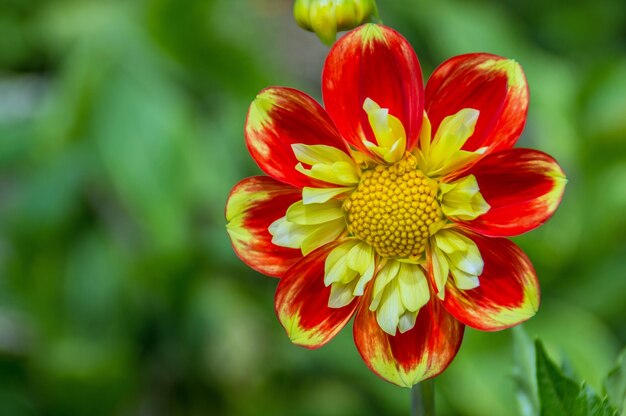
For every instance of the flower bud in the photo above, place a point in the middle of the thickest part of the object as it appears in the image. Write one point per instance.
(327, 17)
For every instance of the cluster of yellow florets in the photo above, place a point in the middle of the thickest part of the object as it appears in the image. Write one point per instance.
(393, 208)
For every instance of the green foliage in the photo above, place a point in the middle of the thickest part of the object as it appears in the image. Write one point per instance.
(562, 396)
(525, 373)
(615, 384)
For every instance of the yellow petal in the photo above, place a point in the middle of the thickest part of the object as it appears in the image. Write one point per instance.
(414, 290)
(379, 121)
(287, 234)
(322, 234)
(312, 154)
(407, 321)
(462, 199)
(443, 154)
(470, 260)
(462, 258)
(362, 260)
(450, 241)
(349, 267)
(425, 135)
(336, 266)
(338, 173)
(321, 195)
(384, 276)
(440, 270)
(310, 214)
(335, 257)
(388, 130)
(400, 291)
(341, 295)
(328, 164)
(464, 281)
(454, 131)
(389, 311)
(455, 161)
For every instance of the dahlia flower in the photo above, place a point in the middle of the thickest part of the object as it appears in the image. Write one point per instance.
(393, 203)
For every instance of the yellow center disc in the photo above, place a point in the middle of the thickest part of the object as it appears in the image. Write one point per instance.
(393, 208)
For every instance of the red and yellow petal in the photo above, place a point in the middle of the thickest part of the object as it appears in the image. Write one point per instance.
(407, 358)
(375, 62)
(279, 117)
(253, 204)
(508, 293)
(523, 188)
(493, 85)
(301, 302)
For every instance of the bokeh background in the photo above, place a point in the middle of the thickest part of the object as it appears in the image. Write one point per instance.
(121, 134)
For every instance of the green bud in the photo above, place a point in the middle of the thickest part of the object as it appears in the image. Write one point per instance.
(327, 17)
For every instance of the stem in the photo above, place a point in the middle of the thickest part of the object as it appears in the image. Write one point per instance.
(423, 398)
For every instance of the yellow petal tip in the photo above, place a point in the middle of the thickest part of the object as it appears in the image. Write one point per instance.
(258, 115)
(510, 67)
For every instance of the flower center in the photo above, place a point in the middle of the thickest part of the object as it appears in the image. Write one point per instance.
(393, 209)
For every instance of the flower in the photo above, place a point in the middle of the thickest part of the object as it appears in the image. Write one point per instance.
(393, 203)
(327, 17)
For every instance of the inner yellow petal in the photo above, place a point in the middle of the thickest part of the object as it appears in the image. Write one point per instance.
(309, 214)
(388, 130)
(400, 291)
(322, 234)
(308, 227)
(362, 260)
(321, 195)
(336, 265)
(348, 269)
(327, 164)
(443, 154)
(414, 290)
(462, 199)
(312, 154)
(452, 253)
(441, 270)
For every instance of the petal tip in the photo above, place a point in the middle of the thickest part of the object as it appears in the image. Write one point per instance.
(258, 113)
(371, 32)
(296, 334)
(512, 69)
(303, 340)
(559, 181)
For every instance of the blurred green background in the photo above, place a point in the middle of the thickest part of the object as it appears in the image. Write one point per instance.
(121, 134)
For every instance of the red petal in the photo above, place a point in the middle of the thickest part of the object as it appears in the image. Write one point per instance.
(376, 62)
(418, 354)
(523, 187)
(491, 84)
(302, 302)
(253, 204)
(508, 293)
(279, 117)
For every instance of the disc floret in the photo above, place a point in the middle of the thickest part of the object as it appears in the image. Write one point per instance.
(394, 209)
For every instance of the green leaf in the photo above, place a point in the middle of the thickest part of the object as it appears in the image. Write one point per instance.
(524, 373)
(562, 396)
(615, 384)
